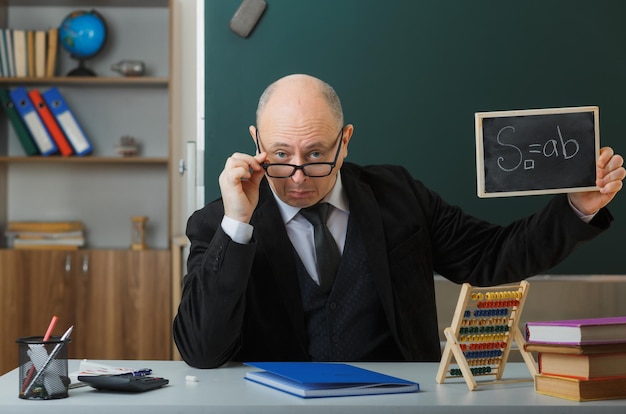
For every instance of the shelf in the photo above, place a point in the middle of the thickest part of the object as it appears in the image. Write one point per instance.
(92, 3)
(88, 80)
(85, 160)
(108, 106)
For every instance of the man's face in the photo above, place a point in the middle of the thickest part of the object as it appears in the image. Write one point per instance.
(298, 127)
(303, 145)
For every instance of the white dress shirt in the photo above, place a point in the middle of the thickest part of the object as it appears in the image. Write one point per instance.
(299, 229)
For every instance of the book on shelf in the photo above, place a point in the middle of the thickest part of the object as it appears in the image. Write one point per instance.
(44, 226)
(45, 235)
(20, 53)
(4, 64)
(28, 52)
(30, 48)
(326, 379)
(583, 366)
(34, 235)
(24, 136)
(51, 53)
(69, 242)
(50, 122)
(40, 49)
(68, 122)
(8, 44)
(577, 331)
(33, 122)
(579, 389)
(46, 247)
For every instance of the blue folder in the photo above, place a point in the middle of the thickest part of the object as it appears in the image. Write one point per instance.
(67, 121)
(326, 379)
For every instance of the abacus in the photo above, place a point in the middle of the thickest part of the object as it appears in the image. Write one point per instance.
(484, 326)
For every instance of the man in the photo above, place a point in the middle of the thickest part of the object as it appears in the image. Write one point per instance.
(254, 290)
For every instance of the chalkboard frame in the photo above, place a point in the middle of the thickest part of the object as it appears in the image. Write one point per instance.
(481, 170)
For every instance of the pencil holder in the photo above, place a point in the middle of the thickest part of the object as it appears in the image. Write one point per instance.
(43, 368)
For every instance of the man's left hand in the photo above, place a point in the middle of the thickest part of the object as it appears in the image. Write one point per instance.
(609, 175)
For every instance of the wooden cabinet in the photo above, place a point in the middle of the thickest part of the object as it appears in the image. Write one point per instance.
(122, 305)
(117, 301)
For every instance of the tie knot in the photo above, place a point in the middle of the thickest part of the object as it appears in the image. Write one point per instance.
(316, 214)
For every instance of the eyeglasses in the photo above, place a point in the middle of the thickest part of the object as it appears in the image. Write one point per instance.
(311, 169)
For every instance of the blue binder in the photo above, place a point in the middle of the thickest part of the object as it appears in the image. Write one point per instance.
(33, 122)
(67, 121)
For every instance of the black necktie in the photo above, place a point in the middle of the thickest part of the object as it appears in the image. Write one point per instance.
(326, 250)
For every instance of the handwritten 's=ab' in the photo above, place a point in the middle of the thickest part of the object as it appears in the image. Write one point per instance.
(555, 147)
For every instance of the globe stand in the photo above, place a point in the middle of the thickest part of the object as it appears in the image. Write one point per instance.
(81, 70)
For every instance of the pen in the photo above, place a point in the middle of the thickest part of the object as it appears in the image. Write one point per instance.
(54, 353)
(46, 337)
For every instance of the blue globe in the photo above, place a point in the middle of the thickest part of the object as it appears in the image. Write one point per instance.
(82, 33)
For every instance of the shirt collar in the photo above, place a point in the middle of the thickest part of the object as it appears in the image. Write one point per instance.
(336, 197)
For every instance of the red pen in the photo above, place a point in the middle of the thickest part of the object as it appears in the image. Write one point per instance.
(46, 337)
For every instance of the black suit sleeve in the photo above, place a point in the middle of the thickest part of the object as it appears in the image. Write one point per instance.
(483, 254)
(207, 328)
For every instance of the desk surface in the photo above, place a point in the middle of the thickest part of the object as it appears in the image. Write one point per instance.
(224, 390)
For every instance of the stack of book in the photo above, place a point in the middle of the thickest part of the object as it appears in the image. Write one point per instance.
(62, 235)
(580, 360)
(43, 122)
(28, 53)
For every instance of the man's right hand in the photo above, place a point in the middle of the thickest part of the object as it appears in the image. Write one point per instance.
(239, 184)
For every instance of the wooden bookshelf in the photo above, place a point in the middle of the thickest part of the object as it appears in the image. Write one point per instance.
(115, 297)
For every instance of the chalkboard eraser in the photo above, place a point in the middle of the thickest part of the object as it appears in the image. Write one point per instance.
(247, 16)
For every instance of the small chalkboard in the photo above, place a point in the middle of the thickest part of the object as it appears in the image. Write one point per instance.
(537, 151)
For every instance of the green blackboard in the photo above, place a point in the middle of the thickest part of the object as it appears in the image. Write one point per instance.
(412, 73)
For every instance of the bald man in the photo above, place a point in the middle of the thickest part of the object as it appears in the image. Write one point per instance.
(258, 290)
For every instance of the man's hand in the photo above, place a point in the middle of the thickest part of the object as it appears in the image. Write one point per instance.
(609, 175)
(239, 184)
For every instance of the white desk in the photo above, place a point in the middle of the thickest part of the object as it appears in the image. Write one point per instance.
(224, 390)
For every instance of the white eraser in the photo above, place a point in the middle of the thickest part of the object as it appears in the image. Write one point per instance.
(191, 378)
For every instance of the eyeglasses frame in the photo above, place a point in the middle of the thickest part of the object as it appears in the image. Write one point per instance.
(332, 164)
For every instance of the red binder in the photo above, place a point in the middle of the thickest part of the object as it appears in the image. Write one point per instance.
(50, 122)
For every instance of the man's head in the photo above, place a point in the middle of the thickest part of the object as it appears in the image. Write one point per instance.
(300, 121)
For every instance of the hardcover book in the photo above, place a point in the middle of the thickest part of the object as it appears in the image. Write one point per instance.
(585, 349)
(578, 331)
(51, 53)
(583, 366)
(581, 390)
(321, 379)
(20, 53)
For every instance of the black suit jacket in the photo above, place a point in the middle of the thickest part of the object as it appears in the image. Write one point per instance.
(242, 302)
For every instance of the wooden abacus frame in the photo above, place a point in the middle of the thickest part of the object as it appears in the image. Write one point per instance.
(484, 326)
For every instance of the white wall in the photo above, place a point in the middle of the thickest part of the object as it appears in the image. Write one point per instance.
(188, 114)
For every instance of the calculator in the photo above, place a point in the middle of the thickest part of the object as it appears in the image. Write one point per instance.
(123, 383)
